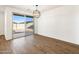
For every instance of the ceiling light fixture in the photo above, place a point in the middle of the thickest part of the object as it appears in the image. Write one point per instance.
(36, 13)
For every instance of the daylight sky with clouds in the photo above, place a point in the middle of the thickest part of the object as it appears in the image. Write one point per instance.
(20, 19)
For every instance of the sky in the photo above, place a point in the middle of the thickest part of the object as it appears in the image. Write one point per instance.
(19, 19)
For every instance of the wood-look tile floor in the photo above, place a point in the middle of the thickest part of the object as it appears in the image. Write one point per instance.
(36, 44)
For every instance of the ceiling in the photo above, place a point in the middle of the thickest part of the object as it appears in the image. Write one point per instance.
(41, 8)
(29, 8)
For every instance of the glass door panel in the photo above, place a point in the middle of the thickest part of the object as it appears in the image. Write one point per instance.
(29, 26)
(18, 26)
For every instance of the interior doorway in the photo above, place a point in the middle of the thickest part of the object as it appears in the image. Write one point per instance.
(23, 25)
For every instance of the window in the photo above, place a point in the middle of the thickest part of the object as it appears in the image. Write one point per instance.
(22, 25)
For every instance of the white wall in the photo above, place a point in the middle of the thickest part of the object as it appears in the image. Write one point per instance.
(8, 20)
(1, 23)
(35, 25)
(61, 23)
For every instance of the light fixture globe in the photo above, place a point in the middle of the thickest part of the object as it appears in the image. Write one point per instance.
(36, 13)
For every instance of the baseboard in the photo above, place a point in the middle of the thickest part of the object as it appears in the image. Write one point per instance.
(72, 44)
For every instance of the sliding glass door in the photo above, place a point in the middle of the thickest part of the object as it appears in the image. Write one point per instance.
(22, 25)
(29, 25)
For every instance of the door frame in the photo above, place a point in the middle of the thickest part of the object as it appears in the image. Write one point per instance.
(25, 24)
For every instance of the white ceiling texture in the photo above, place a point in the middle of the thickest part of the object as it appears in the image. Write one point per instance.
(30, 8)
